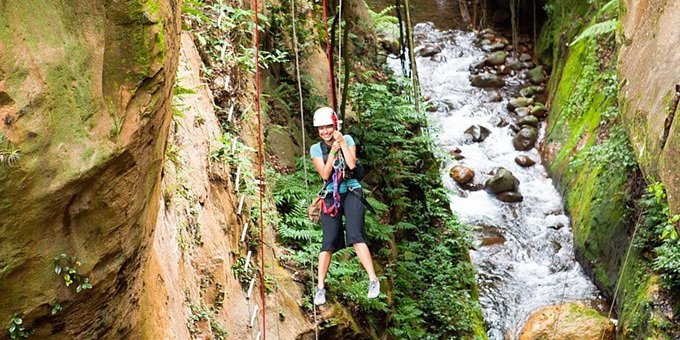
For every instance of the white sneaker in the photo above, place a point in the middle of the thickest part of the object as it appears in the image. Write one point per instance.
(373, 289)
(320, 296)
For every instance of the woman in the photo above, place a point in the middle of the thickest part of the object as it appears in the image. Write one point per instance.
(342, 198)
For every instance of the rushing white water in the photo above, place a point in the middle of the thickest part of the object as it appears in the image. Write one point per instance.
(535, 265)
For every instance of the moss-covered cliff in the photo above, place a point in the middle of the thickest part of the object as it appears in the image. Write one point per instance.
(588, 151)
(85, 88)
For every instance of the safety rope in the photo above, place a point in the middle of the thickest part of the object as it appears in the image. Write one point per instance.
(412, 56)
(339, 77)
(328, 57)
(260, 156)
(623, 269)
(304, 146)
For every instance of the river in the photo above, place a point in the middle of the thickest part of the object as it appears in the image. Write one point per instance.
(524, 251)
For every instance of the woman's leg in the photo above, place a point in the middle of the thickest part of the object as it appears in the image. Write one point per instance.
(365, 258)
(355, 212)
(324, 263)
(333, 240)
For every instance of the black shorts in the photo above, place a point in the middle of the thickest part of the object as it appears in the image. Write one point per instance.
(333, 233)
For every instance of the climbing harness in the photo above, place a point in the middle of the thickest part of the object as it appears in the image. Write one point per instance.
(338, 176)
(260, 156)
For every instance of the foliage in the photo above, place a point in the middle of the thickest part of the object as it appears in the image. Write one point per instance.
(69, 267)
(384, 22)
(413, 236)
(16, 328)
(9, 155)
(200, 313)
(659, 233)
(596, 30)
(225, 33)
(614, 151)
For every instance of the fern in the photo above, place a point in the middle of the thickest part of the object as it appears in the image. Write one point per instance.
(596, 30)
(610, 7)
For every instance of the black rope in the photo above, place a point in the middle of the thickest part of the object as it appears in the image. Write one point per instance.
(402, 45)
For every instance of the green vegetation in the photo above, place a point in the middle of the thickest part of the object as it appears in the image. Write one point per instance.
(225, 33)
(16, 328)
(659, 235)
(69, 267)
(9, 156)
(420, 246)
(588, 151)
(199, 313)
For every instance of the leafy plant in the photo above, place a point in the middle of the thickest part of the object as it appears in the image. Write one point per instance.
(68, 266)
(16, 328)
(9, 155)
(596, 30)
(659, 234)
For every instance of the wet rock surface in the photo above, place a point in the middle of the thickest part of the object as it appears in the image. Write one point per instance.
(525, 139)
(502, 181)
(461, 174)
(566, 322)
(525, 263)
(477, 133)
(487, 80)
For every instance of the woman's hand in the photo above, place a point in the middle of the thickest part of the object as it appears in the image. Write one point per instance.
(338, 138)
(336, 146)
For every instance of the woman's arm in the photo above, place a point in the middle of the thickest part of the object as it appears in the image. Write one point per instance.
(349, 152)
(326, 169)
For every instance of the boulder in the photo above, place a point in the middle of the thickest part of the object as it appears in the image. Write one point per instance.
(487, 80)
(499, 122)
(461, 174)
(539, 111)
(438, 58)
(519, 102)
(493, 47)
(525, 139)
(531, 91)
(524, 161)
(477, 133)
(390, 45)
(575, 320)
(456, 154)
(522, 111)
(502, 180)
(528, 121)
(510, 197)
(536, 75)
(495, 58)
(524, 57)
(429, 50)
(495, 96)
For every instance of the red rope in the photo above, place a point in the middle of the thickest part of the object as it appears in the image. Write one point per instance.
(328, 55)
(260, 156)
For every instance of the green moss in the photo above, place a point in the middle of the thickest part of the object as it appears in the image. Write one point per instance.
(595, 165)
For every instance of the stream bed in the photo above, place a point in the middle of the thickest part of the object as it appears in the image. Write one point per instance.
(523, 251)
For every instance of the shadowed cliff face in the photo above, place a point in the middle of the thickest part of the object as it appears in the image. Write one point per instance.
(650, 69)
(85, 88)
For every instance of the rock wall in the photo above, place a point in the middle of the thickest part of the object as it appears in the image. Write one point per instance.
(190, 288)
(588, 151)
(85, 88)
(649, 66)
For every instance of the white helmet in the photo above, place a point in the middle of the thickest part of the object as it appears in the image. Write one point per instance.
(324, 116)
